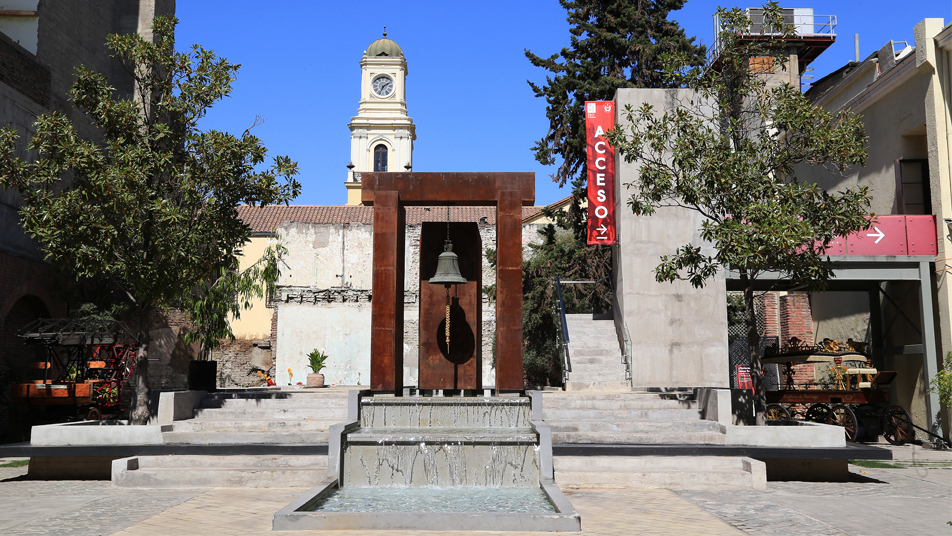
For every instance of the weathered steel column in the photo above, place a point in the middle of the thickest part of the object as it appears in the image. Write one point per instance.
(509, 292)
(930, 360)
(386, 323)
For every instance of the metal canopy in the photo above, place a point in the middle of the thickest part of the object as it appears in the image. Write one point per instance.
(866, 273)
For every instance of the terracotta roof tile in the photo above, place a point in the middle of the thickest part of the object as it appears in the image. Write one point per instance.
(266, 219)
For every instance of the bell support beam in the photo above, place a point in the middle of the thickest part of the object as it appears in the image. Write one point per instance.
(386, 339)
(454, 189)
(389, 193)
(509, 343)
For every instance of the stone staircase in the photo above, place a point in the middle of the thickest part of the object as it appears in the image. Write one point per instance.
(597, 362)
(262, 417)
(627, 417)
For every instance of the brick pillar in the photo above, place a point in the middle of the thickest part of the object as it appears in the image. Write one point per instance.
(772, 316)
(796, 320)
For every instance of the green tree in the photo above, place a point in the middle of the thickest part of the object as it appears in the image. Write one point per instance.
(150, 206)
(730, 153)
(213, 302)
(613, 44)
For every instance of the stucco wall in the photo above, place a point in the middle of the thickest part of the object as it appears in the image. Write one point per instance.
(254, 323)
(316, 311)
(678, 333)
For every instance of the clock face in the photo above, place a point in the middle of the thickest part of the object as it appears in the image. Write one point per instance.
(383, 85)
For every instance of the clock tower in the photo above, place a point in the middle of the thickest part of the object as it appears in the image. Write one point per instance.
(381, 135)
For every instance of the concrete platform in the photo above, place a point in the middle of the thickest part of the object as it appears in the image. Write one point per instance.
(211, 471)
(668, 472)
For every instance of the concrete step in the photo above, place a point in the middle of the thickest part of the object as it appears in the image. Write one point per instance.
(584, 376)
(590, 349)
(635, 438)
(673, 472)
(240, 438)
(634, 426)
(608, 404)
(218, 471)
(253, 425)
(263, 403)
(662, 415)
(230, 413)
(596, 386)
(611, 359)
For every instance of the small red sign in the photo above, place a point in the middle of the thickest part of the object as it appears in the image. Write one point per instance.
(743, 377)
(921, 235)
(886, 236)
(599, 119)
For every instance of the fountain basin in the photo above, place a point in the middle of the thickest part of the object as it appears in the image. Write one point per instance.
(329, 507)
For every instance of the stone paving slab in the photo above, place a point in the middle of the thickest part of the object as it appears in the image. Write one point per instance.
(604, 513)
(877, 502)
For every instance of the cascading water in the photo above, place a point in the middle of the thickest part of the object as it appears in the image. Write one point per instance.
(480, 458)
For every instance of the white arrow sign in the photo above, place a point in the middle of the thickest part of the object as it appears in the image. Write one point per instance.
(880, 234)
(601, 229)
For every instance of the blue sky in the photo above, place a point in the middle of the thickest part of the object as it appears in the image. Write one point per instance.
(466, 87)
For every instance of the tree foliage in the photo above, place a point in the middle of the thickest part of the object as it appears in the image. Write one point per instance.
(214, 302)
(557, 254)
(613, 44)
(151, 205)
(729, 154)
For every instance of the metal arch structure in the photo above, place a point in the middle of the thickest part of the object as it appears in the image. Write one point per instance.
(389, 194)
(867, 273)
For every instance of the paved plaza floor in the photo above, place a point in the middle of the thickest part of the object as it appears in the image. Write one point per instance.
(912, 496)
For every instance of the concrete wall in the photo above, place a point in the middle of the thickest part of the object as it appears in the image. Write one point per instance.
(678, 333)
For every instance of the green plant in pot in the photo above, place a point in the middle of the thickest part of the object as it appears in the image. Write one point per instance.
(316, 363)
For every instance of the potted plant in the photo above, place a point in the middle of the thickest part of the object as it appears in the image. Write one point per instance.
(316, 363)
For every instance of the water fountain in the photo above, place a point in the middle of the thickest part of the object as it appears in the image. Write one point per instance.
(441, 463)
(435, 463)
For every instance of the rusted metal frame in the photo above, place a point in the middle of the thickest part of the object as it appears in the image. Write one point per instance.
(452, 189)
(509, 374)
(386, 341)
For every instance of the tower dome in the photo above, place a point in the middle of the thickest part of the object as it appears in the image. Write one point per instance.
(384, 47)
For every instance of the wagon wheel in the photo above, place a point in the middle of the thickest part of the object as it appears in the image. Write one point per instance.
(776, 412)
(93, 414)
(817, 413)
(841, 415)
(896, 425)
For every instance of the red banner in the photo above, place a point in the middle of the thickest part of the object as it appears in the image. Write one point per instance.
(599, 119)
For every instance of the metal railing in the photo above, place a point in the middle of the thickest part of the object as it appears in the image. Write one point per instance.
(563, 332)
(804, 22)
(621, 330)
(621, 327)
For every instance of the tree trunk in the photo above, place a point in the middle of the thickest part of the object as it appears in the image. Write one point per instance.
(142, 413)
(753, 345)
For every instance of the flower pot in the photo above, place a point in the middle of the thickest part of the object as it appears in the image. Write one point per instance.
(315, 380)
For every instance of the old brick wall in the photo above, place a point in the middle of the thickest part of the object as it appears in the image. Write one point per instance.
(240, 360)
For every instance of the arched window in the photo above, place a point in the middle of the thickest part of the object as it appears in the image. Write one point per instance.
(380, 158)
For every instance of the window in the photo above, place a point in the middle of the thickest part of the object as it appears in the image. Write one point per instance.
(380, 158)
(913, 187)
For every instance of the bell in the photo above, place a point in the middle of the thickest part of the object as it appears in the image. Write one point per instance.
(447, 267)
